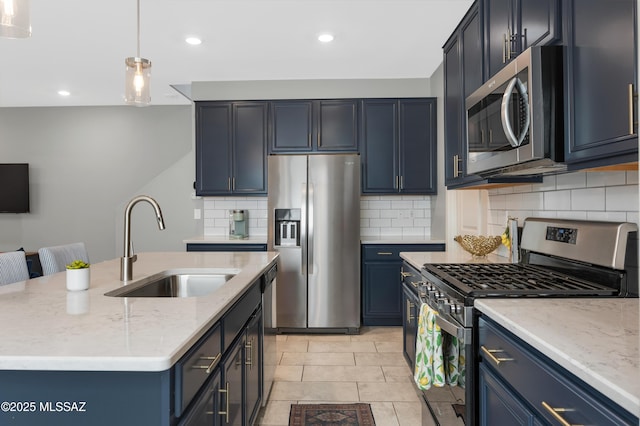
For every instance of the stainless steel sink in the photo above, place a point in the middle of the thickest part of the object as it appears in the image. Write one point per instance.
(174, 285)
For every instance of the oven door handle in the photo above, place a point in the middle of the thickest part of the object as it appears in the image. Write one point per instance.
(454, 330)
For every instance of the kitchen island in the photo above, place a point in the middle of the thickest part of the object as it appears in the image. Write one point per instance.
(115, 355)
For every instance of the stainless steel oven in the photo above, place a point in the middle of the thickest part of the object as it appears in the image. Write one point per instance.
(560, 258)
(514, 120)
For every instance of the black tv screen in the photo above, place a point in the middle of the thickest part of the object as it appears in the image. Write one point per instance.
(14, 188)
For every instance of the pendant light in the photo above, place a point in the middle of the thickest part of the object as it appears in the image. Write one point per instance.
(138, 76)
(14, 19)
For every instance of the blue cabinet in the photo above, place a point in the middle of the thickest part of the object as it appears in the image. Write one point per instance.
(600, 83)
(231, 148)
(382, 282)
(511, 26)
(520, 383)
(327, 125)
(399, 146)
(226, 247)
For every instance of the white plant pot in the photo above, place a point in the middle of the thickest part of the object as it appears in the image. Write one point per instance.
(78, 279)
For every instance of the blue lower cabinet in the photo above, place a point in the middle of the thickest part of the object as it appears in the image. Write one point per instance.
(382, 282)
(226, 247)
(520, 385)
(206, 407)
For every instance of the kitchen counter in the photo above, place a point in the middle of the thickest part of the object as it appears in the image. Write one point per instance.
(453, 254)
(46, 327)
(597, 340)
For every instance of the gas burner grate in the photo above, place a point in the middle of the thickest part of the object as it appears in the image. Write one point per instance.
(513, 280)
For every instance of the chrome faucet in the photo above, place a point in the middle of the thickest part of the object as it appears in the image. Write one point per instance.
(126, 262)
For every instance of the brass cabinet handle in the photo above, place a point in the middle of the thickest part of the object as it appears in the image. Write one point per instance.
(225, 413)
(384, 253)
(409, 316)
(632, 123)
(234, 183)
(249, 347)
(555, 413)
(456, 166)
(209, 368)
(490, 353)
(397, 182)
(401, 182)
(403, 273)
(229, 183)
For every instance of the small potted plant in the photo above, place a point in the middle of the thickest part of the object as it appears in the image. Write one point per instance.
(78, 275)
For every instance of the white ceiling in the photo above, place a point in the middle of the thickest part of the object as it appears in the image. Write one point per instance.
(80, 45)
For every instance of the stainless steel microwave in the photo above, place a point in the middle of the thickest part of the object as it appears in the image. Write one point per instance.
(515, 120)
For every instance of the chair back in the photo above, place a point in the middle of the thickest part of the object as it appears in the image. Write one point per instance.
(55, 259)
(13, 267)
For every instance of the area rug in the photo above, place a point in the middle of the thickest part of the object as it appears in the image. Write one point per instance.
(331, 415)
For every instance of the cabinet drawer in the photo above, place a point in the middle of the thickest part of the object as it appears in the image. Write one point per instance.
(541, 382)
(236, 318)
(196, 367)
(391, 252)
(203, 410)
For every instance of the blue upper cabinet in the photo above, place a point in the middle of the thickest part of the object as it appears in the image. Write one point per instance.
(231, 148)
(399, 146)
(314, 125)
(511, 26)
(600, 83)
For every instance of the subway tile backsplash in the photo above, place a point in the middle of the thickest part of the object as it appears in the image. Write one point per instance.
(407, 216)
(609, 196)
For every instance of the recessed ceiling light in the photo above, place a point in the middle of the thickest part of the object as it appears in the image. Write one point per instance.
(325, 38)
(193, 41)
(64, 92)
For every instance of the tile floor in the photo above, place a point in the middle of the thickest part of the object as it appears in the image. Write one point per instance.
(368, 367)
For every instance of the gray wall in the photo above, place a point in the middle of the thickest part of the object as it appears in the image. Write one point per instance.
(86, 163)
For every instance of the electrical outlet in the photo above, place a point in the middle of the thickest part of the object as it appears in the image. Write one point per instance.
(197, 214)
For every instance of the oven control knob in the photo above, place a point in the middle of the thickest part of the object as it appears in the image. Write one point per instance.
(456, 308)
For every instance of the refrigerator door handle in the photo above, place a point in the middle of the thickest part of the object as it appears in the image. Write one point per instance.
(310, 232)
(303, 231)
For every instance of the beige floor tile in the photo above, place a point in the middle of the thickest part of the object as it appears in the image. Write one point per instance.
(380, 358)
(337, 347)
(276, 413)
(378, 334)
(393, 392)
(317, 358)
(384, 414)
(314, 391)
(342, 373)
(288, 373)
(292, 346)
(397, 374)
(281, 337)
(395, 347)
(408, 413)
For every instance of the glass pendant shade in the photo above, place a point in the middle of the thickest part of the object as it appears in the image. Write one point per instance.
(138, 81)
(15, 21)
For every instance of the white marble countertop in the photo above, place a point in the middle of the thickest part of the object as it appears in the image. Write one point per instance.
(595, 339)
(46, 327)
(453, 254)
(212, 239)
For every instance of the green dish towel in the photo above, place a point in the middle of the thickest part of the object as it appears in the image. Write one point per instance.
(439, 356)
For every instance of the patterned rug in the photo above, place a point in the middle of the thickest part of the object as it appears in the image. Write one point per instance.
(331, 415)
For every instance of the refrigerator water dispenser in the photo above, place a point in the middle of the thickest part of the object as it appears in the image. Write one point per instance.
(287, 223)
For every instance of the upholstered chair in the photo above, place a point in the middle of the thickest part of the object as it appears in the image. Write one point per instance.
(54, 259)
(13, 267)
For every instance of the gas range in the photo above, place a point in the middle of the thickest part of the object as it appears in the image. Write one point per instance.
(559, 258)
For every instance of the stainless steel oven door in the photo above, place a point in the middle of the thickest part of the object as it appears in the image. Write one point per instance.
(446, 405)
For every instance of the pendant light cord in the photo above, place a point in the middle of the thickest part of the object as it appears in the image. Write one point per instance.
(138, 34)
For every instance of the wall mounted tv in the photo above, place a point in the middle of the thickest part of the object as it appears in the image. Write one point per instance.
(14, 188)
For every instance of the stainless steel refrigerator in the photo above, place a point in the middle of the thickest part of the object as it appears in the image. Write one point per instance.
(314, 222)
